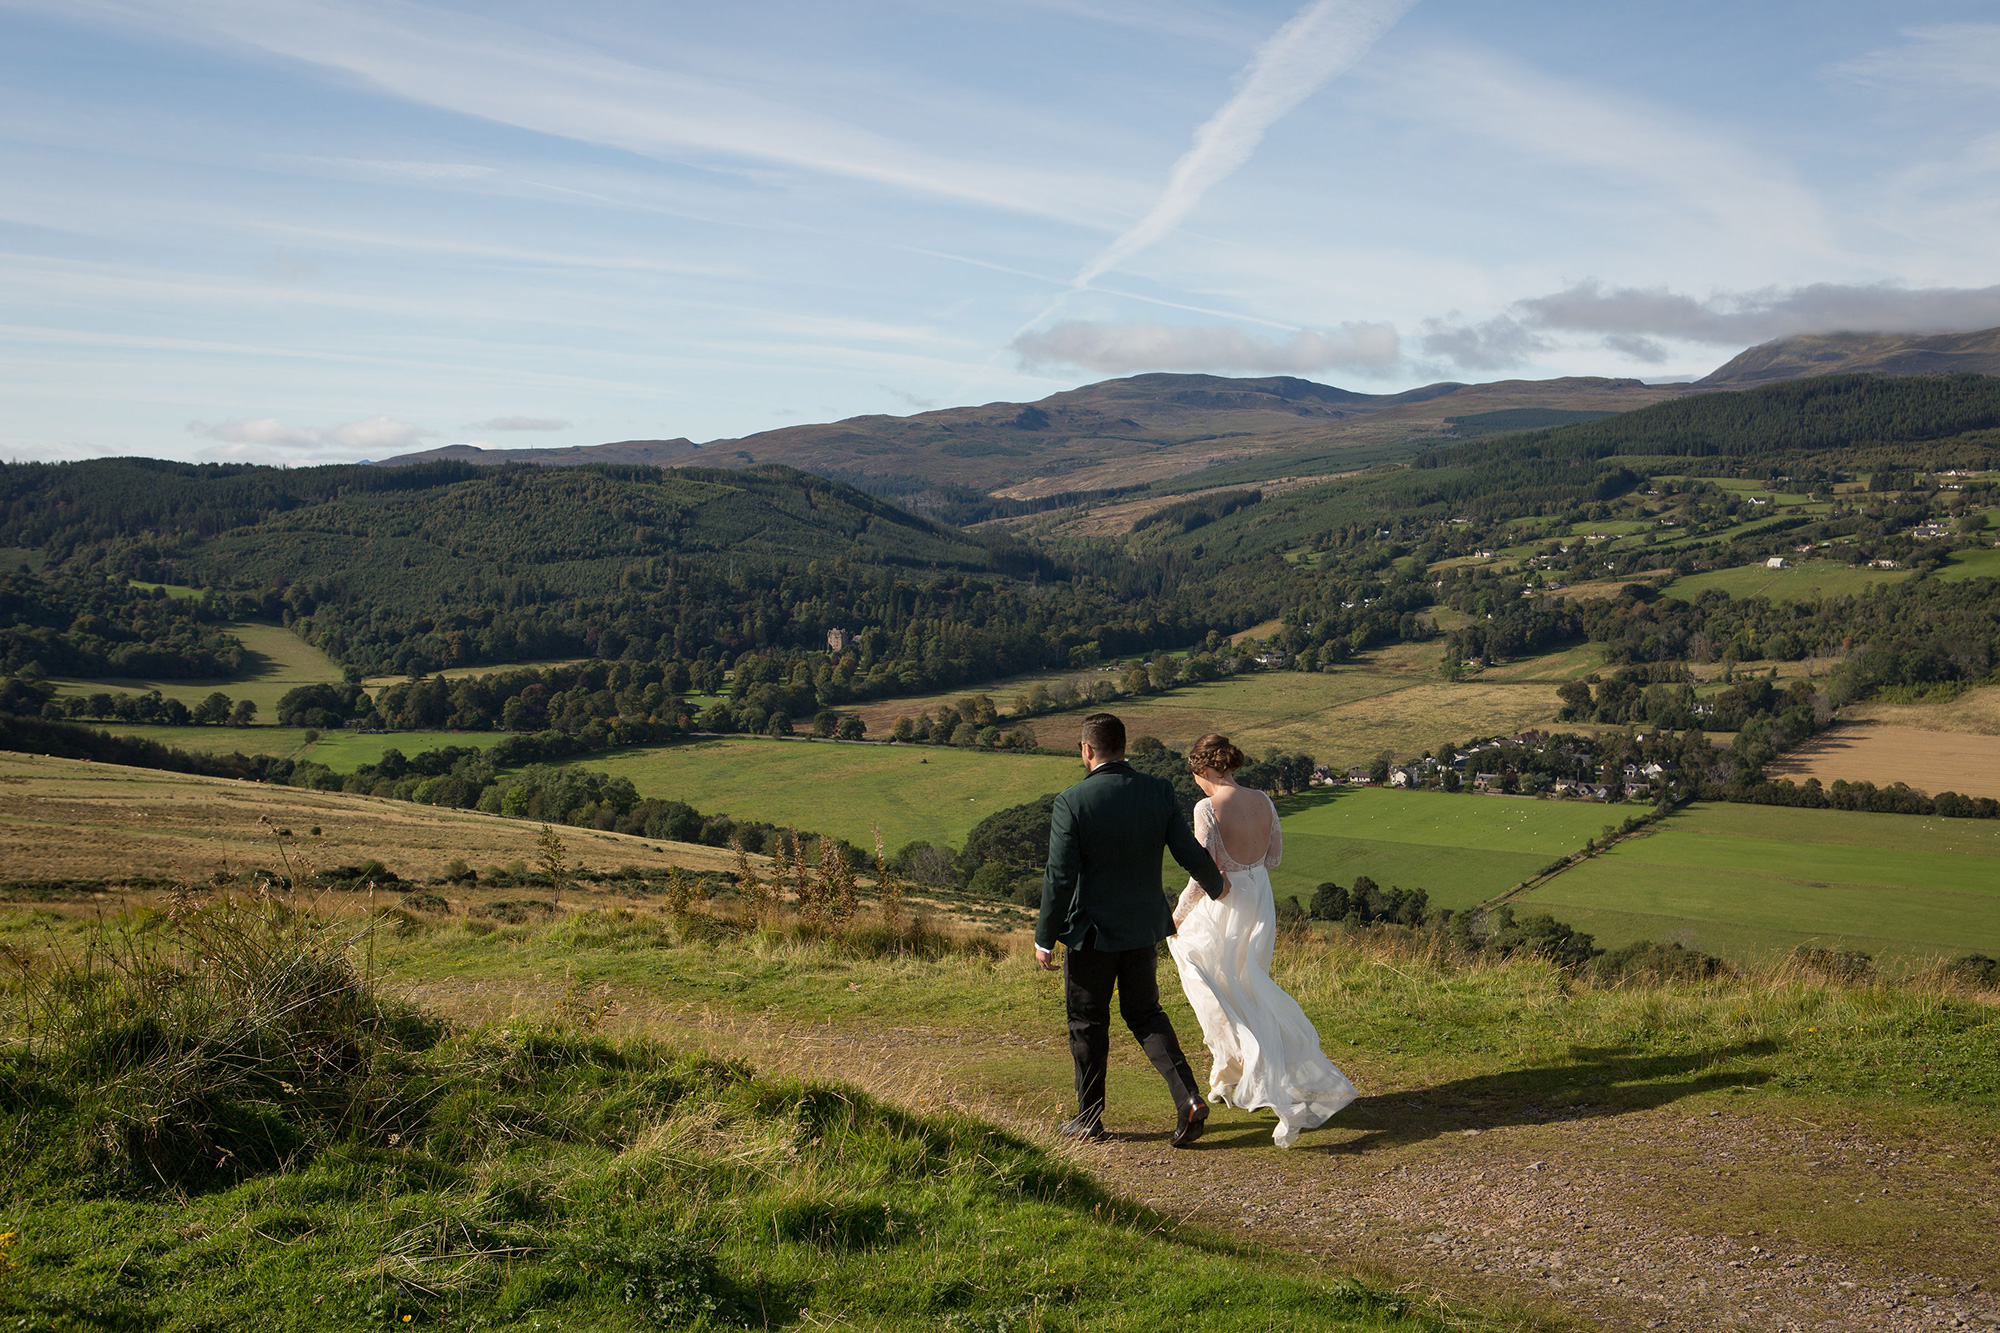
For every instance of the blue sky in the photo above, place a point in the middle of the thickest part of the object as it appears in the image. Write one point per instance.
(294, 231)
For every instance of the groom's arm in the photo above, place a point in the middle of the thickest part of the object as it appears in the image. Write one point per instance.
(1194, 857)
(1059, 878)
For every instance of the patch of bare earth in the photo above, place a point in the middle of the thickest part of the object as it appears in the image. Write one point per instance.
(1884, 753)
(1660, 1218)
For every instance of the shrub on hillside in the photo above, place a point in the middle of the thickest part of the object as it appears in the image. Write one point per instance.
(1847, 965)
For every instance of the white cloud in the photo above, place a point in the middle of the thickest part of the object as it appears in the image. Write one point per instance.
(1743, 318)
(520, 423)
(1322, 40)
(1141, 345)
(268, 437)
(1633, 321)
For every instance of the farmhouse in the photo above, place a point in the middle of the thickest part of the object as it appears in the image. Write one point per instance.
(1777, 562)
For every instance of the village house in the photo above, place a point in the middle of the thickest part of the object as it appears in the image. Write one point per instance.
(1486, 782)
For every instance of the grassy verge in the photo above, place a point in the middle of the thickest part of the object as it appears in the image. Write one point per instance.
(218, 1120)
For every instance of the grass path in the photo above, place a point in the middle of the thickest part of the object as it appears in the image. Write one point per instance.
(1604, 1184)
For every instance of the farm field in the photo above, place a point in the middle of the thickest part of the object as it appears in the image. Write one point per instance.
(1811, 578)
(1460, 849)
(460, 673)
(70, 819)
(1882, 753)
(933, 793)
(341, 750)
(1982, 563)
(1977, 712)
(1395, 699)
(276, 660)
(1749, 883)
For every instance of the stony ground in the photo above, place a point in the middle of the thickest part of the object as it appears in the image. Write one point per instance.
(1664, 1218)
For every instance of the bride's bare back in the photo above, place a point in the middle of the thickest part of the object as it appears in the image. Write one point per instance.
(1243, 818)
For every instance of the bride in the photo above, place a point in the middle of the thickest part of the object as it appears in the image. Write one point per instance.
(1266, 1051)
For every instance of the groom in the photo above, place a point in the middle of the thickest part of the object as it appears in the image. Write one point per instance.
(1101, 897)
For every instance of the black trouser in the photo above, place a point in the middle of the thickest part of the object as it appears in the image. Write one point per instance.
(1089, 976)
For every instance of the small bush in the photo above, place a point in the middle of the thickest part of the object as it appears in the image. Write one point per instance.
(1845, 965)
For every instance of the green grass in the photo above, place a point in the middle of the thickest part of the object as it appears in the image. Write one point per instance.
(913, 791)
(1746, 882)
(1805, 581)
(13, 557)
(345, 751)
(275, 660)
(1460, 849)
(190, 1158)
(1978, 563)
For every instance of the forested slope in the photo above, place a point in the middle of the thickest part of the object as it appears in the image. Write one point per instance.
(447, 564)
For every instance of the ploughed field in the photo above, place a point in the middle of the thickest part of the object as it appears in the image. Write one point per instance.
(1750, 882)
(1882, 753)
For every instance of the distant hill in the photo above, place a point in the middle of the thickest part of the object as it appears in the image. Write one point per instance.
(1852, 353)
(1119, 433)
(660, 453)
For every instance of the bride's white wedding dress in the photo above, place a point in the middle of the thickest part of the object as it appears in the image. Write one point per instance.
(1266, 1049)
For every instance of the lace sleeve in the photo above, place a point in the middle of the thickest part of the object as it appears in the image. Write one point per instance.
(1276, 851)
(1193, 896)
(1207, 831)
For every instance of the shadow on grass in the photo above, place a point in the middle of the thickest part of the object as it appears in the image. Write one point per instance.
(1594, 1084)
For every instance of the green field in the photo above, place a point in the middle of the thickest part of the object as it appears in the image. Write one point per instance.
(923, 792)
(1978, 563)
(1809, 579)
(1461, 850)
(1751, 882)
(275, 660)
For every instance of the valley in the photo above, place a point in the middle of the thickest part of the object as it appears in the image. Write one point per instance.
(1631, 757)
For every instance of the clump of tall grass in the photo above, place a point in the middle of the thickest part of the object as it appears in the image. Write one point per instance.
(224, 1036)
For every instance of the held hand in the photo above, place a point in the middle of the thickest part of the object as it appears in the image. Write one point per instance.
(1045, 958)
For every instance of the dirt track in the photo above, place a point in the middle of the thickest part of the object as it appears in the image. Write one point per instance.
(1649, 1219)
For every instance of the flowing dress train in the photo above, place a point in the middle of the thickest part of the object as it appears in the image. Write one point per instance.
(1266, 1050)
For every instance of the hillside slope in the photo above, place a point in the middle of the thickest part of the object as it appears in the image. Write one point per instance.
(1852, 353)
(1115, 434)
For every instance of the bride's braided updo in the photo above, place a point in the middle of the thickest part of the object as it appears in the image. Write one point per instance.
(1214, 751)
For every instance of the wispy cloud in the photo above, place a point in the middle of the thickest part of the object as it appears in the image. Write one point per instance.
(1697, 168)
(1138, 345)
(1945, 54)
(534, 80)
(520, 423)
(266, 437)
(1322, 40)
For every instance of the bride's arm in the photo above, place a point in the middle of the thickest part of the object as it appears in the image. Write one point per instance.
(1193, 896)
(1276, 851)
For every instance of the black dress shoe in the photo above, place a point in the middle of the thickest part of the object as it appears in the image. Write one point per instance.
(1083, 1129)
(1193, 1120)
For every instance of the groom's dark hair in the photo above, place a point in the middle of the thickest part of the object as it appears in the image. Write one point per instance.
(1105, 734)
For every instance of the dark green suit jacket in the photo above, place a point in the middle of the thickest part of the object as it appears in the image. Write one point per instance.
(1103, 882)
